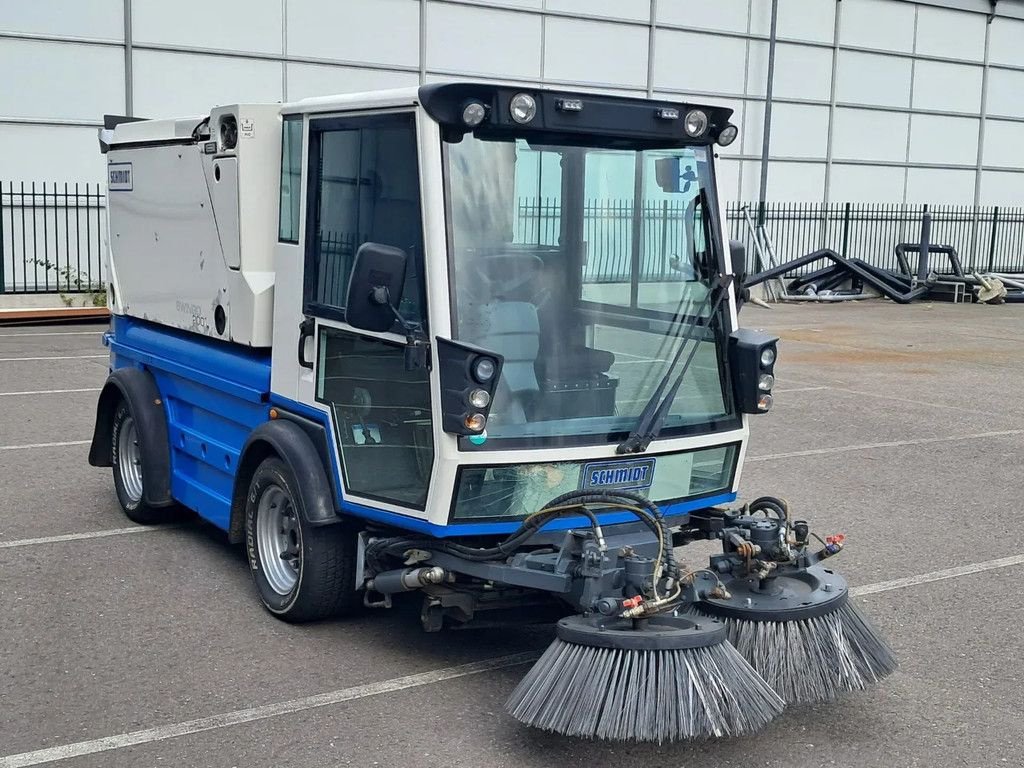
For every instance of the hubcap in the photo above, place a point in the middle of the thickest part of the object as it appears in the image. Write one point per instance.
(129, 459)
(277, 535)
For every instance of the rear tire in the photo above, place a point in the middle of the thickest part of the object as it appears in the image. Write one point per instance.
(302, 572)
(129, 470)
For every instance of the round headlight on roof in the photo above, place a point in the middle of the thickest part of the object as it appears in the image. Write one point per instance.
(523, 108)
(696, 123)
(728, 135)
(474, 113)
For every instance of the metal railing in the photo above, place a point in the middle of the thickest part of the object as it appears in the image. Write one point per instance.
(52, 237)
(986, 238)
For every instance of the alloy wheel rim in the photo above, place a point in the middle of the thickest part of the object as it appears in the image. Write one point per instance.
(129, 459)
(277, 534)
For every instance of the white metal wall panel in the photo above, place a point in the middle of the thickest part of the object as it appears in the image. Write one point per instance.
(929, 185)
(807, 20)
(787, 182)
(869, 134)
(1004, 144)
(801, 72)
(97, 19)
(178, 84)
(305, 80)
(482, 40)
(235, 25)
(595, 52)
(371, 31)
(950, 34)
(881, 24)
(868, 78)
(728, 170)
(724, 15)
(1002, 188)
(66, 81)
(680, 62)
(72, 153)
(866, 184)
(800, 130)
(635, 10)
(947, 87)
(1006, 92)
(1005, 42)
(943, 140)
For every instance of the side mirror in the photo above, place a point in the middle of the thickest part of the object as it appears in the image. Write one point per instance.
(375, 287)
(738, 257)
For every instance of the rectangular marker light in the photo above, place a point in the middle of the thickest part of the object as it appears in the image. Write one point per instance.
(569, 105)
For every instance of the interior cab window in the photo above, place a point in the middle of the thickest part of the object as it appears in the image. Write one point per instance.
(364, 184)
(381, 416)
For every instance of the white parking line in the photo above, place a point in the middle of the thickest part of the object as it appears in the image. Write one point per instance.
(947, 573)
(261, 713)
(890, 444)
(48, 392)
(50, 333)
(56, 357)
(26, 446)
(79, 536)
(801, 389)
(248, 715)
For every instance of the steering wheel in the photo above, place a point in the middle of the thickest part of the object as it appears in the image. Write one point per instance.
(510, 276)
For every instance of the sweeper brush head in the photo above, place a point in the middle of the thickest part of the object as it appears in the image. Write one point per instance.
(661, 679)
(809, 652)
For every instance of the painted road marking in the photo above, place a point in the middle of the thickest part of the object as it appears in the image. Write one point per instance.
(241, 716)
(947, 573)
(86, 535)
(890, 444)
(48, 392)
(250, 714)
(43, 445)
(51, 333)
(57, 357)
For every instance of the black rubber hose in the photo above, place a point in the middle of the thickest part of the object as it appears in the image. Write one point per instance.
(776, 505)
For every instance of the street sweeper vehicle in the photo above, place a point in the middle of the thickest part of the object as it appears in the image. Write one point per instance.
(476, 346)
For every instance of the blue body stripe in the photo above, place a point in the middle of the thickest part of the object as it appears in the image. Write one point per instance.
(215, 395)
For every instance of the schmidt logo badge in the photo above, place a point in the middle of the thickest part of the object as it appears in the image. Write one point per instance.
(119, 177)
(617, 475)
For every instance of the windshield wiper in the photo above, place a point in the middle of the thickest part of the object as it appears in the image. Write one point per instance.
(653, 415)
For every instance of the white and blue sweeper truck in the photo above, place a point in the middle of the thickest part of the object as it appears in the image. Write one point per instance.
(478, 346)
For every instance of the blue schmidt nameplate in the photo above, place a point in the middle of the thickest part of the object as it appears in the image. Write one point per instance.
(633, 474)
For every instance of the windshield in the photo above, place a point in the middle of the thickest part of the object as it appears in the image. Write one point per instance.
(583, 267)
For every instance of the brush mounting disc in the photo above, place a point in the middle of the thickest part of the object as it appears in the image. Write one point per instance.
(659, 633)
(792, 595)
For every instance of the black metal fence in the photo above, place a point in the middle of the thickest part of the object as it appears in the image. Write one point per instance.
(52, 237)
(985, 238)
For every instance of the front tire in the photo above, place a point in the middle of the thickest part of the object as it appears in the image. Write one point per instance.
(129, 470)
(302, 572)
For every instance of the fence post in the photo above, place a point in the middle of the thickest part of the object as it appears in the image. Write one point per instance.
(3, 282)
(846, 230)
(664, 236)
(992, 240)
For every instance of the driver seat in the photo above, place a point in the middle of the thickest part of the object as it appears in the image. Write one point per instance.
(511, 329)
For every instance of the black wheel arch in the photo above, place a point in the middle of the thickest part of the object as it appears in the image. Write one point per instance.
(287, 440)
(138, 389)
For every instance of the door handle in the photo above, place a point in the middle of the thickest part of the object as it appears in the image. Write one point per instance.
(305, 331)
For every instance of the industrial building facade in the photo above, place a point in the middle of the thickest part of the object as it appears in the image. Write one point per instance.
(874, 100)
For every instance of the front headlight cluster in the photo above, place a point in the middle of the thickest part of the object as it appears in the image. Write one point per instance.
(752, 356)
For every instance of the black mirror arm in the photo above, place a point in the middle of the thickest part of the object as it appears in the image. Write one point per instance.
(417, 344)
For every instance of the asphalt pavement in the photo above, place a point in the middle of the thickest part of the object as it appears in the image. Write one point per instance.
(900, 426)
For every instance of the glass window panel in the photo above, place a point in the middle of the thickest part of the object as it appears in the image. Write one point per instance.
(291, 175)
(381, 416)
(521, 489)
